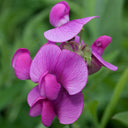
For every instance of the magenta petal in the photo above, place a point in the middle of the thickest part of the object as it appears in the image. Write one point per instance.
(67, 31)
(21, 62)
(33, 96)
(71, 71)
(41, 84)
(104, 63)
(101, 43)
(36, 109)
(59, 14)
(48, 86)
(45, 60)
(47, 114)
(69, 107)
(77, 38)
(94, 66)
(49, 42)
(52, 88)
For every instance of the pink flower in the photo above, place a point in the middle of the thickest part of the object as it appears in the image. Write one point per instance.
(61, 75)
(65, 29)
(59, 14)
(66, 107)
(97, 50)
(21, 62)
(64, 64)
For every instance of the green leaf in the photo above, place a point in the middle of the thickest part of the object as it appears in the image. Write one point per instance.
(122, 117)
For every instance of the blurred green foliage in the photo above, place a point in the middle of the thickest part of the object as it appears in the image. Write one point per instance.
(22, 24)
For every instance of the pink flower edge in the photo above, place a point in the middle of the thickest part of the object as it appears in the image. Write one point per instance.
(21, 62)
(67, 31)
(104, 63)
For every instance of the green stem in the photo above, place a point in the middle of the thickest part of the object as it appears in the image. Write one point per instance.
(116, 95)
(70, 126)
(80, 36)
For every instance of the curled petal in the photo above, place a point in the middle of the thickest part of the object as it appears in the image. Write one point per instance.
(104, 63)
(42, 85)
(71, 71)
(33, 96)
(21, 62)
(45, 60)
(36, 109)
(69, 107)
(101, 43)
(47, 114)
(49, 87)
(59, 14)
(67, 31)
(52, 88)
(94, 66)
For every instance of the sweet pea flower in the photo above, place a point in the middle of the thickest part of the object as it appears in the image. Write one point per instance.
(61, 75)
(95, 51)
(66, 107)
(21, 62)
(98, 48)
(64, 29)
(59, 14)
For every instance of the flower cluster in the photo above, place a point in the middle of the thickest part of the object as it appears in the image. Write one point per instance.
(61, 72)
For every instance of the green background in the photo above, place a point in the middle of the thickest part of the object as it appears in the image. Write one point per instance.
(22, 24)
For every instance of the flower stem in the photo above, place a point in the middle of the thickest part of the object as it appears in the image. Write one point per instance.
(80, 36)
(70, 126)
(116, 95)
